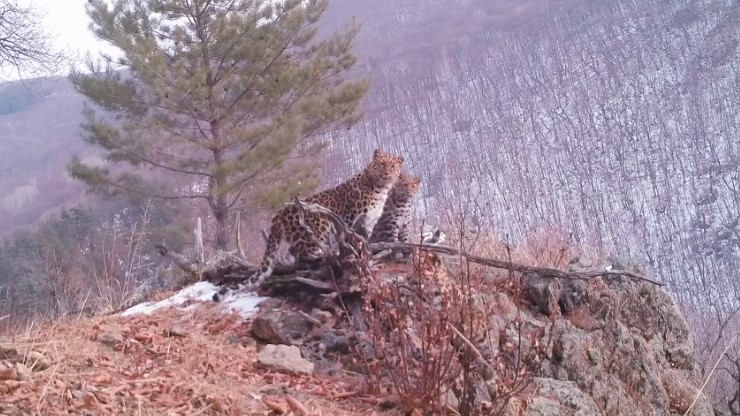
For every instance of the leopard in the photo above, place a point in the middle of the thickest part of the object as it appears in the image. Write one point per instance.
(437, 278)
(394, 225)
(359, 202)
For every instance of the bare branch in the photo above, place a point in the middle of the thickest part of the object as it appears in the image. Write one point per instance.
(25, 48)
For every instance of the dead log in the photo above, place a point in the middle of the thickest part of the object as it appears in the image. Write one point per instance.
(237, 273)
(186, 265)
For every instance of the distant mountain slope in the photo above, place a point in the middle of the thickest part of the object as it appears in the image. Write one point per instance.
(37, 140)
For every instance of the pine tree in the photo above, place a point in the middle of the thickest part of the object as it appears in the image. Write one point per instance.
(232, 95)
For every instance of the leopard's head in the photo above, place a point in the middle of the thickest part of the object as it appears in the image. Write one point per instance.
(385, 168)
(407, 185)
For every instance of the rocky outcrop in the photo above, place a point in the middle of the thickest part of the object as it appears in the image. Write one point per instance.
(608, 345)
(621, 342)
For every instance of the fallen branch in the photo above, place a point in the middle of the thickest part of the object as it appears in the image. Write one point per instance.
(314, 283)
(181, 261)
(546, 272)
(241, 271)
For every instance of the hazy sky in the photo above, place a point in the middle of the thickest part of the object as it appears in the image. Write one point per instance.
(67, 21)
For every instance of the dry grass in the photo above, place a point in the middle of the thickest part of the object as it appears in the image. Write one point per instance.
(207, 372)
(547, 247)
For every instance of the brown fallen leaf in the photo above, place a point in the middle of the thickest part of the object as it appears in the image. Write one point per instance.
(8, 373)
(102, 378)
(296, 406)
(344, 395)
(9, 385)
(274, 405)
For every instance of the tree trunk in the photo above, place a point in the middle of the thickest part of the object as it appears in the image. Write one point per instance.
(222, 232)
(217, 199)
(220, 209)
(221, 214)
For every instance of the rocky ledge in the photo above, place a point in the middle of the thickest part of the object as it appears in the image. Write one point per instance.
(438, 340)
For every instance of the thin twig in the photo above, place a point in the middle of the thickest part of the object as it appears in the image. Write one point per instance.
(473, 348)
(701, 390)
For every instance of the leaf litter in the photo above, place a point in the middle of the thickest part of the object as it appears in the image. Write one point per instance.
(166, 360)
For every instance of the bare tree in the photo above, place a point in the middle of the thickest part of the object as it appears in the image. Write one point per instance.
(25, 47)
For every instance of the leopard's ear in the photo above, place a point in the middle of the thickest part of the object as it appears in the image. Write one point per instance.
(431, 260)
(415, 180)
(401, 159)
(377, 153)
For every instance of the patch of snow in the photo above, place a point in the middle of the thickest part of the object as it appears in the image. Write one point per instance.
(435, 237)
(243, 303)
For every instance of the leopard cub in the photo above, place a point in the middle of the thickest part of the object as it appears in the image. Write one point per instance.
(395, 223)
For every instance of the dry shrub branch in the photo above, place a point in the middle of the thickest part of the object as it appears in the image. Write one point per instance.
(434, 344)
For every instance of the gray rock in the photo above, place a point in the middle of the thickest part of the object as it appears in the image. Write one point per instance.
(556, 397)
(284, 358)
(176, 331)
(280, 327)
(542, 406)
(573, 294)
(624, 344)
(110, 335)
(334, 341)
(37, 361)
(542, 292)
(619, 347)
(23, 372)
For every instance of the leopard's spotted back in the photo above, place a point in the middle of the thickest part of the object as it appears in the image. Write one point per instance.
(395, 223)
(359, 201)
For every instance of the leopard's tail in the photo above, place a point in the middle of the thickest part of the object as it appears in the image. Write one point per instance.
(267, 265)
(268, 260)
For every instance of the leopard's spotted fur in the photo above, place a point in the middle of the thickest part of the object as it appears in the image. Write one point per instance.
(436, 276)
(395, 223)
(359, 201)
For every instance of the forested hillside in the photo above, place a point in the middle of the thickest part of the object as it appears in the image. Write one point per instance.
(40, 131)
(615, 122)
